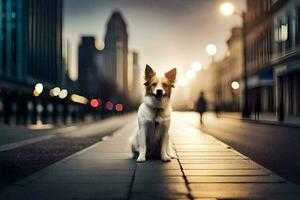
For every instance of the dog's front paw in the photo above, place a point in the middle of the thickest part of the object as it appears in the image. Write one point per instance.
(141, 159)
(165, 158)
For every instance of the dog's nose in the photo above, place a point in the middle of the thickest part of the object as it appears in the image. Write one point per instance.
(159, 92)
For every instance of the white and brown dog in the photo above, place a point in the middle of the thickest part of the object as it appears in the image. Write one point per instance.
(151, 140)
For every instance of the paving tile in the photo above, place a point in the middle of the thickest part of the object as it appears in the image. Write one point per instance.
(235, 157)
(98, 172)
(160, 173)
(161, 188)
(198, 153)
(214, 161)
(105, 156)
(234, 179)
(151, 196)
(202, 150)
(242, 190)
(158, 165)
(83, 180)
(220, 166)
(236, 172)
(93, 164)
(158, 179)
(71, 191)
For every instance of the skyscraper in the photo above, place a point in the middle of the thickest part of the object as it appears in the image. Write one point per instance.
(31, 43)
(88, 67)
(116, 51)
(134, 77)
(30, 52)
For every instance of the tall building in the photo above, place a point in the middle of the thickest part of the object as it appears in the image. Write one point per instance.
(31, 42)
(88, 68)
(116, 51)
(229, 71)
(134, 77)
(273, 62)
(30, 51)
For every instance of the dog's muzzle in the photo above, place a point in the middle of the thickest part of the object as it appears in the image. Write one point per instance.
(159, 95)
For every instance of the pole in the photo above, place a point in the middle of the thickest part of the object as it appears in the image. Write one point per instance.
(246, 111)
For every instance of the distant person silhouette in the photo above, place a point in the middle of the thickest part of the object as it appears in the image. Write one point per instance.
(201, 106)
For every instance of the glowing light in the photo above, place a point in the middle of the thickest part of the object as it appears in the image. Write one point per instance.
(63, 94)
(94, 103)
(119, 107)
(109, 105)
(55, 91)
(79, 99)
(211, 49)
(182, 81)
(227, 8)
(35, 93)
(190, 74)
(235, 85)
(196, 66)
(39, 88)
(99, 44)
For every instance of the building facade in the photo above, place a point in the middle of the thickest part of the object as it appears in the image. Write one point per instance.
(134, 77)
(272, 41)
(30, 50)
(31, 43)
(116, 51)
(228, 72)
(88, 68)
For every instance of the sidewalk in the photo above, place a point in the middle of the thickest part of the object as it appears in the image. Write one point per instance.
(264, 118)
(206, 169)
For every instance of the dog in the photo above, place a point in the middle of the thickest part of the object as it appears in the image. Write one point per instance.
(151, 140)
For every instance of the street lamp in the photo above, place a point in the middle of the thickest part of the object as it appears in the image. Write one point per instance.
(227, 9)
(211, 50)
(196, 66)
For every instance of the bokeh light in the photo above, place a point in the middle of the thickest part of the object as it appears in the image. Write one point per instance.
(94, 103)
(235, 85)
(109, 105)
(63, 94)
(227, 8)
(39, 88)
(211, 49)
(196, 66)
(119, 107)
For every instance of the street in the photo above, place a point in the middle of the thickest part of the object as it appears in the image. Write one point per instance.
(83, 164)
(274, 147)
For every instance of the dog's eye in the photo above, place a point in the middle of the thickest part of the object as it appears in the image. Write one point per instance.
(165, 85)
(154, 84)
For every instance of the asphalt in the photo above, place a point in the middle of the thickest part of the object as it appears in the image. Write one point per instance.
(206, 168)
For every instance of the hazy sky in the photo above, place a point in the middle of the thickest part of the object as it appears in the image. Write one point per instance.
(165, 33)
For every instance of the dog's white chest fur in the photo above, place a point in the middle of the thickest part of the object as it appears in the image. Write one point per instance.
(153, 127)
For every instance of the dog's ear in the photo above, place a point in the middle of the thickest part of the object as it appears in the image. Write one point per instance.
(149, 73)
(171, 75)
